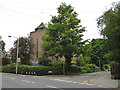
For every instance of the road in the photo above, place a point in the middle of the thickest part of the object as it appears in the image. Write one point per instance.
(49, 81)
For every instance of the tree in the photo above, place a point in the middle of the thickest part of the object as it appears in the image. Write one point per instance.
(64, 34)
(109, 26)
(2, 48)
(98, 52)
(82, 61)
(2, 44)
(25, 49)
(44, 60)
(6, 59)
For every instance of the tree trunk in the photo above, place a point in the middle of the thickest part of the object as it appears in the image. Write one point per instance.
(68, 63)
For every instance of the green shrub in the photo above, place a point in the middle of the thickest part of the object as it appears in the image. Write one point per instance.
(22, 69)
(105, 67)
(89, 68)
(83, 71)
(44, 60)
(9, 69)
(112, 65)
(115, 69)
(56, 68)
(75, 69)
(67, 73)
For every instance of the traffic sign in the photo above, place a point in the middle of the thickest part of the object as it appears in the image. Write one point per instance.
(35, 63)
(19, 59)
(63, 62)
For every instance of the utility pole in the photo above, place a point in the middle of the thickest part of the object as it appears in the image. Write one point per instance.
(17, 52)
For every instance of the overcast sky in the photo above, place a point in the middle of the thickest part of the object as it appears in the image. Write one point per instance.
(20, 17)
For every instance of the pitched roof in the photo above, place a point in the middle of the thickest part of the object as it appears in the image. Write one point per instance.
(41, 26)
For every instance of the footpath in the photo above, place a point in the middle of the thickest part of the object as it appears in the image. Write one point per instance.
(104, 81)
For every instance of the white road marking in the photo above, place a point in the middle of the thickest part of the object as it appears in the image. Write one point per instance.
(23, 80)
(81, 83)
(23, 75)
(68, 81)
(74, 82)
(60, 80)
(12, 78)
(28, 81)
(33, 82)
(82, 76)
(51, 86)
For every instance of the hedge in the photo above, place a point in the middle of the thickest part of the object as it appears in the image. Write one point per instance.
(26, 69)
(56, 68)
(89, 68)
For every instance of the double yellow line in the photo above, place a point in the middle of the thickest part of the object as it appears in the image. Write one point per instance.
(87, 81)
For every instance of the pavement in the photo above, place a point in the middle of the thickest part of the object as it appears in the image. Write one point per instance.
(104, 80)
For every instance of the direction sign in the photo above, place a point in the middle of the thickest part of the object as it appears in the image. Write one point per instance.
(35, 63)
(63, 62)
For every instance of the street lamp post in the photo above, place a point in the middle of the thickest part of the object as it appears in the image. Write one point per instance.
(17, 52)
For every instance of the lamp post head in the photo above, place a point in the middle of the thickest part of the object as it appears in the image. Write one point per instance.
(9, 36)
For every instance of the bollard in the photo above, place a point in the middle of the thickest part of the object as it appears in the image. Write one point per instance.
(26, 73)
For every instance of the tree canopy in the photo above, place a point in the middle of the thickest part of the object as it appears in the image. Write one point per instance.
(2, 44)
(25, 49)
(64, 34)
(109, 26)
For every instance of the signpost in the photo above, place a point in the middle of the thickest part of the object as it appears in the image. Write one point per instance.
(63, 67)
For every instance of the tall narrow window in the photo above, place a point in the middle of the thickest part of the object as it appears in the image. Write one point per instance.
(37, 47)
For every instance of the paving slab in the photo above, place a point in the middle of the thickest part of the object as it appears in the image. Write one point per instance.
(105, 80)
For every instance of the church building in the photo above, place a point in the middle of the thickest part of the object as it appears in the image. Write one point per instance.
(36, 39)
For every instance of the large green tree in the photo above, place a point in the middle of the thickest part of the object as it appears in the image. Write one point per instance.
(25, 50)
(98, 52)
(64, 34)
(109, 26)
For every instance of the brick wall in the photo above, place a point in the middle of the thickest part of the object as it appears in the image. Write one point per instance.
(36, 36)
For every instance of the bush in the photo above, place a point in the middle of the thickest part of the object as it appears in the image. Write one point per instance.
(83, 71)
(75, 69)
(56, 68)
(25, 69)
(115, 69)
(89, 68)
(44, 60)
(42, 70)
(105, 67)
(112, 65)
(9, 69)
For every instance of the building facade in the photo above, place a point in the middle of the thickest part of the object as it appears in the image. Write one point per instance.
(36, 39)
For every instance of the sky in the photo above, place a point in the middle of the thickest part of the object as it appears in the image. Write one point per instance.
(20, 17)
